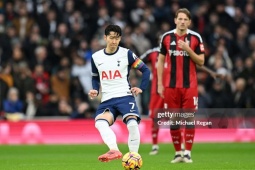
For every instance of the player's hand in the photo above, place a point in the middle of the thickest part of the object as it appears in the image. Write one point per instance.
(161, 90)
(136, 90)
(93, 93)
(183, 45)
(217, 76)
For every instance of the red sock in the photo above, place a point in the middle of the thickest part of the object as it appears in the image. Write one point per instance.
(176, 138)
(154, 134)
(189, 138)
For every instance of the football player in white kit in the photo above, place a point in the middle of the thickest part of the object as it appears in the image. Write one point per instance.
(110, 70)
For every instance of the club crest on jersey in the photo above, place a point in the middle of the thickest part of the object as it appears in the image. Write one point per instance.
(110, 74)
(118, 63)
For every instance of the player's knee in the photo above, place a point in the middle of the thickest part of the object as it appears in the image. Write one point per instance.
(175, 127)
(132, 122)
(101, 123)
(105, 116)
(132, 117)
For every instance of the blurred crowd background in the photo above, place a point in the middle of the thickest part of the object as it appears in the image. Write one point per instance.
(46, 48)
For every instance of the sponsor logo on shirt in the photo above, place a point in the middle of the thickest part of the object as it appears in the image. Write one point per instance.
(110, 74)
(178, 53)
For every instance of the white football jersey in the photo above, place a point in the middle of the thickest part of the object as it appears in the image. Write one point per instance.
(113, 71)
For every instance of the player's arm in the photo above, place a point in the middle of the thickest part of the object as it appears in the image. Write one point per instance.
(160, 67)
(197, 56)
(139, 64)
(95, 81)
(211, 72)
(147, 59)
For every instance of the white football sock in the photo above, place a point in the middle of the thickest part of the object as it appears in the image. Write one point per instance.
(155, 147)
(178, 153)
(134, 135)
(107, 134)
(187, 152)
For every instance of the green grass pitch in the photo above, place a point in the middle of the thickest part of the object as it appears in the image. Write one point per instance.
(210, 156)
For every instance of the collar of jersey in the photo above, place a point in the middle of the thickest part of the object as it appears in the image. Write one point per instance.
(111, 53)
(175, 32)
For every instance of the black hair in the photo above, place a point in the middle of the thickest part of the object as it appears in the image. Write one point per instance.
(112, 28)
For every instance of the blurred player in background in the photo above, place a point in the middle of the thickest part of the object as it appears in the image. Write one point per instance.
(181, 50)
(110, 70)
(156, 101)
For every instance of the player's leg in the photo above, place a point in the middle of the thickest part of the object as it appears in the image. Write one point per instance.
(190, 104)
(103, 122)
(154, 135)
(128, 108)
(134, 133)
(177, 141)
(105, 117)
(189, 140)
(173, 100)
(156, 103)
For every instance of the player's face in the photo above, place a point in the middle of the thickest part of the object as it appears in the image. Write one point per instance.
(182, 22)
(112, 41)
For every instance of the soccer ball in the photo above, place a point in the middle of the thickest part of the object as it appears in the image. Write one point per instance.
(132, 161)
